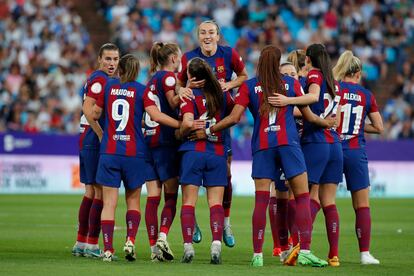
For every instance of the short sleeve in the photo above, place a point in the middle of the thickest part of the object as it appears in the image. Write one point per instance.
(186, 106)
(182, 71)
(237, 63)
(242, 96)
(229, 102)
(315, 77)
(148, 97)
(95, 88)
(374, 106)
(168, 82)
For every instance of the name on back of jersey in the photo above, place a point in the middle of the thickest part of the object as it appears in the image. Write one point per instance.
(122, 92)
(352, 97)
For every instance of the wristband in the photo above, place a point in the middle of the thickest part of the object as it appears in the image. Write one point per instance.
(208, 131)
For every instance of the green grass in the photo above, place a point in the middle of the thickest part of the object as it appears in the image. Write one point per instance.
(37, 233)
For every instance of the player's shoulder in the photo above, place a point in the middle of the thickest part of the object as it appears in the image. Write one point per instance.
(98, 74)
(314, 74)
(225, 49)
(252, 82)
(192, 53)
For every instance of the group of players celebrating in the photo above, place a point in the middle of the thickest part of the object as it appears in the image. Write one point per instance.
(309, 124)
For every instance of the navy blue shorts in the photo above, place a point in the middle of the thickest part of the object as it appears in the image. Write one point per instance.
(227, 143)
(280, 182)
(163, 164)
(356, 169)
(88, 165)
(324, 162)
(203, 169)
(113, 169)
(268, 163)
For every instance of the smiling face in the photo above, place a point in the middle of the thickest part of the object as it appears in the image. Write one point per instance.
(208, 38)
(289, 70)
(108, 62)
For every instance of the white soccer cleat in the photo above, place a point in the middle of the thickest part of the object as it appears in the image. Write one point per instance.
(165, 249)
(368, 259)
(189, 253)
(108, 256)
(215, 251)
(129, 249)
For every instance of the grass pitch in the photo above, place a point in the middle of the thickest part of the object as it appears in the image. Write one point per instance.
(37, 233)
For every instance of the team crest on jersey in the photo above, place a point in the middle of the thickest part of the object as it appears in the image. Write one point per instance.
(220, 69)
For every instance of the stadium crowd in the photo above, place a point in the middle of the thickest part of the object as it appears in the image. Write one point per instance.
(45, 59)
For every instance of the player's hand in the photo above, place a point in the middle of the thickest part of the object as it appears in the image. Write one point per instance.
(177, 135)
(185, 93)
(197, 135)
(196, 84)
(331, 121)
(278, 100)
(225, 86)
(198, 124)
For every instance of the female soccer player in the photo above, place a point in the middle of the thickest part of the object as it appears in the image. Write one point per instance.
(91, 206)
(163, 147)
(275, 145)
(357, 103)
(225, 62)
(203, 162)
(322, 147)
(123, 150)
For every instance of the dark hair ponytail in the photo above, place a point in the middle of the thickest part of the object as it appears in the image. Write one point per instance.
(200, 70)
(320, 59)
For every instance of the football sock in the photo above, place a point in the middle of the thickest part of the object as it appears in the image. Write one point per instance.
(293, 228)
(332, 228)
(187, 223)
(132, 218)
(107, 234)
(363, 228)
(83, 219)
(95, 221)
(216, 222)
(228, 193)
(259, 219)
(303, 220)
(281, 223)
(314, 209)
(151, 218)
(168, 212)
(273, 221)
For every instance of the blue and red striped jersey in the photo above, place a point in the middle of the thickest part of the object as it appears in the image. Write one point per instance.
(93, 88)
(215, 142)
(123, 108)
(276, 128)
(223, 63)
(156, 134)
(356, 103)
(325, 106)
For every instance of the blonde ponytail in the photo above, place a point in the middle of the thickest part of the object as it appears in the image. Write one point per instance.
(347, 65)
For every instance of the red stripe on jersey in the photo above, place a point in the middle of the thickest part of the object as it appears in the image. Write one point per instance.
(281, 135)
(264, 123)
(131, 145)
(219, 149)
(201, 146)
(111, 144)
(82, 136)
(182, 74)
(220, 69)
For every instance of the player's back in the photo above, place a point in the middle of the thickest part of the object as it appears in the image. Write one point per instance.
(197, 106)
(356, 103)
(324, 107)
(124, 110)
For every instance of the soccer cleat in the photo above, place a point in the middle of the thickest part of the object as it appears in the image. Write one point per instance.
(189, 253)
(108, 256)
(129, 249)
(334, 261)
(156, 254)
(197, 236)
(291, 256)
(257, 261)
(94, 253)
(78, 251)
(165, 249)
(368, 259)
(308, 259)
(215, 251)
(228, 236)
(277, 251)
